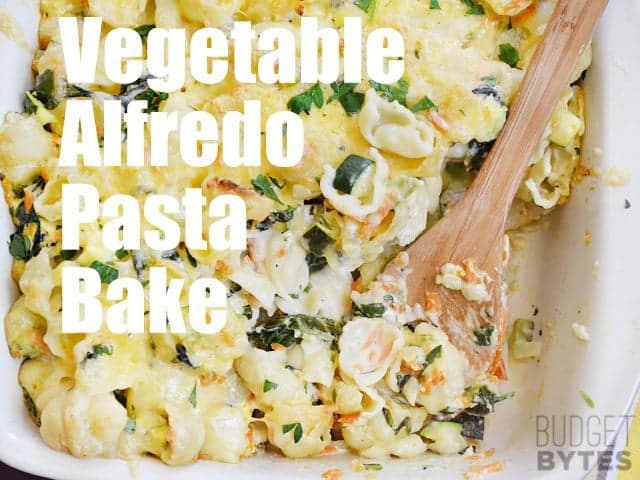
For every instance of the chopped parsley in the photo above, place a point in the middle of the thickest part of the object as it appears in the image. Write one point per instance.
(121, 253)
(344, 92)
(434, 5)
(424, 103)
(263, 186)
(108, 273)
(297, 430)
(508, 54)
(305, 101)
(367, 6)
(268, 385)
(393, 93)
(372, 466)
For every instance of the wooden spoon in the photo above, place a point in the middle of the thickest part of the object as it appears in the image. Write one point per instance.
(472, 233)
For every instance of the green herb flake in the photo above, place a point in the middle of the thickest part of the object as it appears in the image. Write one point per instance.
(247, 311)
(474, 7)
(432, 356)
(143, 30)
(587, 399)
(20, 246)
(192, 397)
(490, 80)
(68, 254)
(425, 103)
(107, 273)
(121, 253)
(387, 416)
(130, 426)
(406, 423)
(262, 185)
(297, 430)
(371, 310)
(486, 397)
(372, 467)
(508, 54)
(99, 350)
(393, 93)
(344, 92)
(268, 385)
(434, 5)
(305, 100)
(484, 335)
(307, 289)
(367, 6)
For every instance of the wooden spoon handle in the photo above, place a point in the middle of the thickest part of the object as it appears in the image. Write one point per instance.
(549, 72)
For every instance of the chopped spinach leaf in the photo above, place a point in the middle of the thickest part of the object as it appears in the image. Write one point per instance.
(20, 246)
(318, 240)
(483, 335)
(280, 216)
(315, 262)
(487, 398)
(153, 99)
(371, 310)
(143, 30)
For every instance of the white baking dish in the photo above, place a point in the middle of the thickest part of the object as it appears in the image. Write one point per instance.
(559, 274)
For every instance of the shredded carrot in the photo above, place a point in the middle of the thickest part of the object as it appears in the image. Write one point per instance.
(498, 368)
(333, 474)
(438, 121)
(28, 201)
(227, 338)
(524, 15)
(479, 469)
(431, 381)
(349, 418)
(329, 449)
(208, 379)
(277, 347)
(481, 456)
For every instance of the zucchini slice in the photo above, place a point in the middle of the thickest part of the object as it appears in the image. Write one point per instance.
(349, 171)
